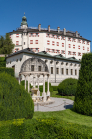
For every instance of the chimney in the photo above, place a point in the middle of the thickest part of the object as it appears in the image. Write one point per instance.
(49, 28)
(58, 29)
(76, 33)
(64, 31)
(39, 27)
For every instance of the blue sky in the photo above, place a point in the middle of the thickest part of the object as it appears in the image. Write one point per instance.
(74, 15)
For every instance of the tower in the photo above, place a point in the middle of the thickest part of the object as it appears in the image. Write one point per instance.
(24, 24)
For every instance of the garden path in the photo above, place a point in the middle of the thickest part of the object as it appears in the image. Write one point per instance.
(58, 105)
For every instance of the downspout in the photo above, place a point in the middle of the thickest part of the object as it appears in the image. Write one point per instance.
(55, 68)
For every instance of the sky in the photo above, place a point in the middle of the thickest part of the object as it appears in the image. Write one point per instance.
(74, 15)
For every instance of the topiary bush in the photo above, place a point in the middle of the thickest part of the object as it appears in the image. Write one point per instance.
(83, 96)
(15, 102)
(7, 70)
(67, 87)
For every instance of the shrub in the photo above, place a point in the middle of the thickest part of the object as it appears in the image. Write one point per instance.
(7, 70)
(83, 96)
(67, 87)
(2, 59)
(15, 102)
(55, 88)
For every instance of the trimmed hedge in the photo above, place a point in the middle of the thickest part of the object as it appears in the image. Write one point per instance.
(15, 102)
(2, 59)
(83, 96)
(47, 128)
(2, 62)
(7, 70)
(68, 87)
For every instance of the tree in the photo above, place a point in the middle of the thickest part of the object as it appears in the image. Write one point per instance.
(6, 44)
(83, 95)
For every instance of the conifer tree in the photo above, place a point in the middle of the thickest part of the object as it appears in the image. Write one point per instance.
(6, 44)
(83, 95)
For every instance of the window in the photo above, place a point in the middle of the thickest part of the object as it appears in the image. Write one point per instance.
(29, 34)
(34, 34)
(66, 71)
(79, 54)
(69, 45)
(62, 52)
(74, 40)
(55, 36)
(57, 70)
(17, 35)
(88, 43)
(87, 48)
(16, 60)
(71, 71)
(17, 42)
(58, 37)
(32, 67)
(62, 71)
(69, 39)
(57, 43)
(36, 41)
(46, 35)
(38, 34)
(53, 43)
(31, 41)
(39, 68)
(52, 50)
(74, 53)
(51, 70)
(20, 59)
(69, 52)
(62, 44)
(48, 42)
(63, 38)
(16, 50)
(83, 48)
(75, 72)
(74, 46)
(78, 47)
(24, 43)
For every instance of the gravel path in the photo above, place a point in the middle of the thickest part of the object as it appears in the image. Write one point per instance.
(58, 105)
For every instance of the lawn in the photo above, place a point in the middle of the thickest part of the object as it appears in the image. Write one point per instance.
(55, 94)
(67, 115)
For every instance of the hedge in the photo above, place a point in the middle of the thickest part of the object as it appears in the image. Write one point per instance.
(47, 128)
(7, 70)
(15, 102)
(68, 87)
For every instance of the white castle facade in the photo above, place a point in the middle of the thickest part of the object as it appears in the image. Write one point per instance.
(61, 50)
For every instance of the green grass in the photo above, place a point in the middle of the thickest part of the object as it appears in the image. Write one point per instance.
(55, 94)
(68, 116)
